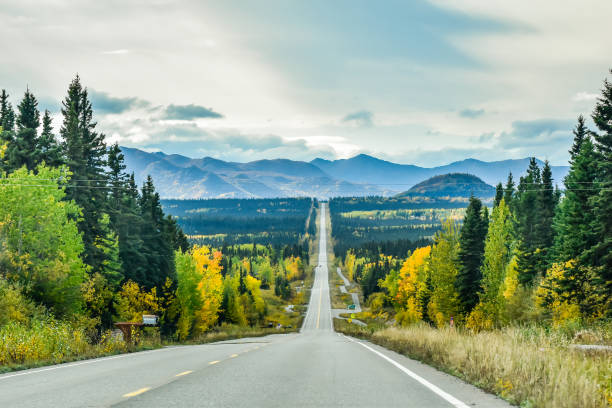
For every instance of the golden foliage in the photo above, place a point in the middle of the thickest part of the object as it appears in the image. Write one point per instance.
(412, 286)
(132, 302)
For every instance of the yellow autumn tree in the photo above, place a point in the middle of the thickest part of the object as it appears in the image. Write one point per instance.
(132, 302)
(350, 264)
(556, 295)
(412, 286)
(294, 268)
(444, 302)
(199, 291)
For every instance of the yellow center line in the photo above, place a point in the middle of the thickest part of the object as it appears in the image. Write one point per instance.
(137, 392)
(184, 373)
(234, 355)
(214, 362)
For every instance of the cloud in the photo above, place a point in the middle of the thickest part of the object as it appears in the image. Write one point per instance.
(103, 103)
(116, 52)
(540, 132)
(361, 118)
(471, 113)
(190, 112)
(585, 96)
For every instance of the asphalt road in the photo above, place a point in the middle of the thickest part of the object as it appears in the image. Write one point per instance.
(314, 368)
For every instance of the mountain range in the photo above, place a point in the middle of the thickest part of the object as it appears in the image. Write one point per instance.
(177, 176)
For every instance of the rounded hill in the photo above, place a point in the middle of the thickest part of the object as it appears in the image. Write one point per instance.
(451, 185)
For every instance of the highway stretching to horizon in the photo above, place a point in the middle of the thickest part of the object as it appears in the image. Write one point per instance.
(314, 368)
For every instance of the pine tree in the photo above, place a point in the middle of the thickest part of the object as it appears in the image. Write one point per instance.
(602, 252)
(499, 194)
(7, 117)
(470, 255)
(49, 149)
(580, 133)
(85, 152)
(509, 191)
(129, 224)
(157, 247)
(116, 183)
(546, 211)
(575, 217)
(23, 151)
(28, 116)
(526, 211)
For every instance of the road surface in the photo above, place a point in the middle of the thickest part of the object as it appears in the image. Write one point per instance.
(314, 368)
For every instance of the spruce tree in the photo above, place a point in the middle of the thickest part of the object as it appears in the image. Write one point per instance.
(602, 252)
(23, 150)
(546, 211)
(49, 149)
(526, 212)
(470, 254)
(116, 183)
(85, 151)
(575, 217)
(7, 117)
(580, 133)
(499, 194)
(128, 225)
(28, 116)
(157, 248)
(509, 191)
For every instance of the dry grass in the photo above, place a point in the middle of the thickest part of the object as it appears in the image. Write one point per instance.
(532, 367)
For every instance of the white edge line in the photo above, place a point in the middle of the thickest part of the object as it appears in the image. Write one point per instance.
(454, 401)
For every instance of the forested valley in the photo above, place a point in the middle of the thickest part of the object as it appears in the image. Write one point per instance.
(82, 247)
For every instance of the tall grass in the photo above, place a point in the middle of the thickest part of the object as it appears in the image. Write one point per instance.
(533, 367)
(49, 342)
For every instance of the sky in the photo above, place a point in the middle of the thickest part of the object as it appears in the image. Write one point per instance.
(411, 81)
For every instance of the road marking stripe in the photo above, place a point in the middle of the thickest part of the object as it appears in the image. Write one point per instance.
(234, 355)
(454, 401)
(137, 392)
(214, 362)
(184, 373)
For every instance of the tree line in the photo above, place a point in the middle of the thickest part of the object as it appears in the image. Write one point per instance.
(71, 217)
(540, 254)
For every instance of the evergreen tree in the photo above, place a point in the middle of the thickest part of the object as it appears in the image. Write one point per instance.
(602, 252)
(499, 194)
(546, 212)
(175, 234)
(28, 116)
(128, 224)
(7, 117)
(575, 217)
(49, 150)
(157, 248)
(116, 183)
(23, 151)
(526, 211)
(85, 152)
(470, 254)
(509, 191)
(580, 133)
